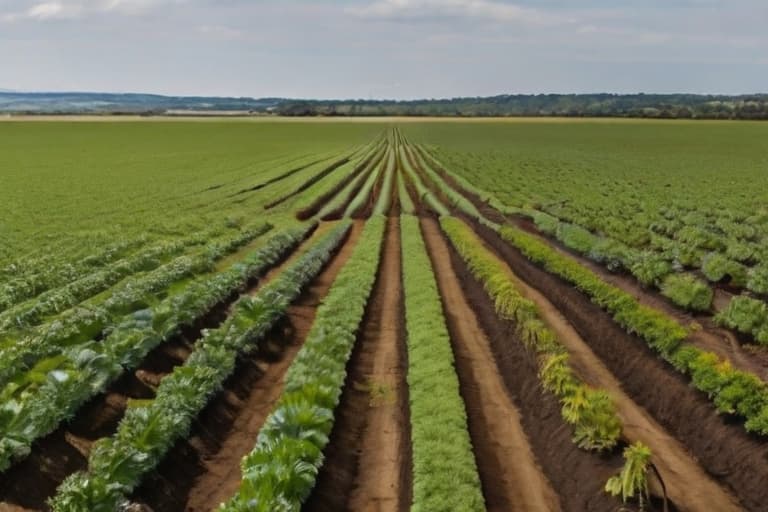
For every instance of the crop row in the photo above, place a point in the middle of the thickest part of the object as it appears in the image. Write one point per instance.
(422, 191)
(384, 200)
(33, 276)
(733, 391)
(313, 199)
(363, 195)
(445, 475)
(81, 324)
(345, 195)
(280, 471)
(34, 403)
(147, 431)
(590, 411)
(649, 267)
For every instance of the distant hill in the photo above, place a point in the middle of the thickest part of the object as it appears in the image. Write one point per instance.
(109, 103)
(571, 105)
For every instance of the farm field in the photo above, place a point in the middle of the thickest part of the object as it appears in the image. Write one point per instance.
(389, 315)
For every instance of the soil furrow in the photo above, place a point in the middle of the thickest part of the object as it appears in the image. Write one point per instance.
(725, 451)
(511, 477)
(689, 487)
(577, 475)
(203, 470)
(367, 465)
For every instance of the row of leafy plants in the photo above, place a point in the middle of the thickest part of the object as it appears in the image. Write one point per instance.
(384, 201)
(589, 411)
(363, 195)
(31, 276)
(317, 197)
(651, 268)
(747, 316)
(733, 391)
(36, 402)
(347, 193)
(148, 430)
(281, 470)
(423, 192)
(445, 475)
(90, 319)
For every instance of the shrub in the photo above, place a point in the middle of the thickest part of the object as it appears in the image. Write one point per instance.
(687, 291)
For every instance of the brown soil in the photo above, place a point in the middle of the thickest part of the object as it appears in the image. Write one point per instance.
(734, 458)
(510, 474)
(204, 470)
(577, 475)
(687, 484)
(367, 460)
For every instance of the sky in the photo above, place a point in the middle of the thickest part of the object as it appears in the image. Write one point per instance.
(401, 49)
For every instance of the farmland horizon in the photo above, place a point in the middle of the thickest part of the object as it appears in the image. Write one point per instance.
(637, 105)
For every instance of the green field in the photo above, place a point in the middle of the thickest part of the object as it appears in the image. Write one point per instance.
(69, 184)
(412, 314)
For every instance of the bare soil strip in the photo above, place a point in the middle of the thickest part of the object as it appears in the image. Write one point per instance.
(203, 470)
(687, 484)
(367, 461)
(722, 447)
(577, 475)
(511, 477)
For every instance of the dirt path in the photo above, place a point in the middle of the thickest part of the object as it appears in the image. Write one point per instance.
(227, 429)
(367, 460)
(511, 477)
(383, 479)
(688, 485)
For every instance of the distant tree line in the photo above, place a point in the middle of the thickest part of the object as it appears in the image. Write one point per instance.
(664, 106)
(667, 106)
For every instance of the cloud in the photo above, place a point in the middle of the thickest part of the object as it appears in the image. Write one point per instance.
(436, 9)
(73, 9)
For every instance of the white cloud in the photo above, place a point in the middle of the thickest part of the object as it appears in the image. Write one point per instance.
(71, 9)
(430, 9)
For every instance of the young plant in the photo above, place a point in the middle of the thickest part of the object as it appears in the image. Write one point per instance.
(632, 482)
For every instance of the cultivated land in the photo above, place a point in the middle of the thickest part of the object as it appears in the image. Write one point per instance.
(383, 315)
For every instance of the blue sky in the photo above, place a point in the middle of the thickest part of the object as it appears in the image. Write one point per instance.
(384, 48)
